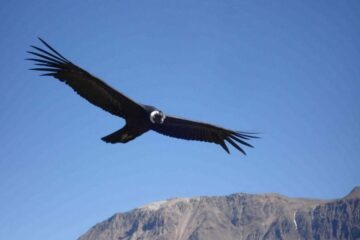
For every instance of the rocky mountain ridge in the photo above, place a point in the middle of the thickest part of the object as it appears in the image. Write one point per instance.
(237, 216)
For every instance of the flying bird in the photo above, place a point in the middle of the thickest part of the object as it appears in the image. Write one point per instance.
(139, 118)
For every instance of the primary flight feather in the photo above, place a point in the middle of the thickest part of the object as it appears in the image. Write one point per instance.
(139, 118)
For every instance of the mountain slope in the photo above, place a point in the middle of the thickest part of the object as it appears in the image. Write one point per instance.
(237, 216)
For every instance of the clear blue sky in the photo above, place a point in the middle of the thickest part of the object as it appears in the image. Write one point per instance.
(290, 69)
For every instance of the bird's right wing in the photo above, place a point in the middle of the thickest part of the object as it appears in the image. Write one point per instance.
(87, 86)
(193, 130)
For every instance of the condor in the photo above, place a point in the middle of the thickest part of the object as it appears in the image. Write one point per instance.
(139, 118)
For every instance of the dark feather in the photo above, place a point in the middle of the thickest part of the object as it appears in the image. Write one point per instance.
(222, 143)
(241, 141)
(48, 74)
(48, 53)
(193, 130)
(46, 64)
(52, 49)
(39, 60)
(89, 87)
(46, 69)
(45, 57)
(235, 145)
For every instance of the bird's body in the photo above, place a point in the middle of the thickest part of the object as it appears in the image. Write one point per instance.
(139, 118)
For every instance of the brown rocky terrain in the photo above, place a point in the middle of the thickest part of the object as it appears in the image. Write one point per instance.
(237, 216)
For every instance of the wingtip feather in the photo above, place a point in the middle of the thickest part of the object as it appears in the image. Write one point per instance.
(234, 137)
(235, 145)
(223, 145)
(54, 51)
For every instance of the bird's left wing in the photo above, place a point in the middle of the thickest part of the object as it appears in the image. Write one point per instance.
(87, 86)
(193, 130)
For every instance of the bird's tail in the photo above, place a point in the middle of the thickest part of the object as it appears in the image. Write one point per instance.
(124, 135)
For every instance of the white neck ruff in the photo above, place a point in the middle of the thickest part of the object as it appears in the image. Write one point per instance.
(152, 116)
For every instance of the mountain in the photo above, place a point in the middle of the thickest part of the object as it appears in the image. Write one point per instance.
(237, 216)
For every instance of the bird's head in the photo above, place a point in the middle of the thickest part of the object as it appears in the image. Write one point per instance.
(157, 117)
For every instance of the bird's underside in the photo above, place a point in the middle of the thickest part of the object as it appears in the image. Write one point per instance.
(139, 118)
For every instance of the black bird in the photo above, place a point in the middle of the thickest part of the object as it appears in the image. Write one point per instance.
(139, 118)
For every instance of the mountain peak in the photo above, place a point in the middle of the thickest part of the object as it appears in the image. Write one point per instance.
(165, 203)
(355, 193)
(240, 215)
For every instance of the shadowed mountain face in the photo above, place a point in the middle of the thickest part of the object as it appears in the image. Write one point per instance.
(238, 216)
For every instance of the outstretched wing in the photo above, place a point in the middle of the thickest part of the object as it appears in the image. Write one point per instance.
(192, 130)
(89, 87)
